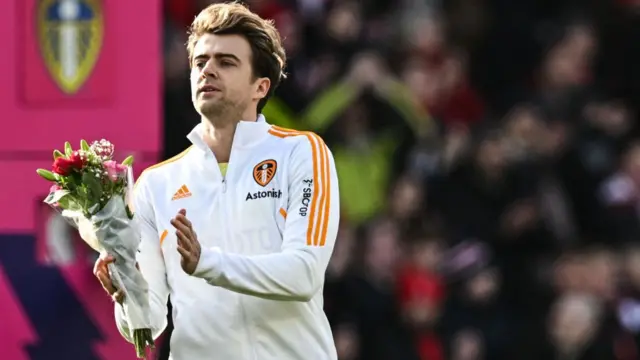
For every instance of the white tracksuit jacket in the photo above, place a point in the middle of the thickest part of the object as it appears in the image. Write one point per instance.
(267, 231)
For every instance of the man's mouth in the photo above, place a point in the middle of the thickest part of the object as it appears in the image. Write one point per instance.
(208, 89)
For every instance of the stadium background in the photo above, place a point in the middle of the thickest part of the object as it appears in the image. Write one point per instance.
(487, 153)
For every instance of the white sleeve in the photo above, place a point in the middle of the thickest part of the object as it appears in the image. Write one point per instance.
(151, 263)
(296, 273)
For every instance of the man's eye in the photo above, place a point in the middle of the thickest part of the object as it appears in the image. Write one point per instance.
(227, 63)
(200, 64)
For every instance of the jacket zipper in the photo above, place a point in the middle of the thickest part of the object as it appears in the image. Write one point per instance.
(227, 220)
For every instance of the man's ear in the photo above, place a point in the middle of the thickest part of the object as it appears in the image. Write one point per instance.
(262, 87)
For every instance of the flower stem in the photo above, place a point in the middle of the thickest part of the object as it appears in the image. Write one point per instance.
(141, 339)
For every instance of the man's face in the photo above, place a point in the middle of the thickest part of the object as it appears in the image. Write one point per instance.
(222, 80)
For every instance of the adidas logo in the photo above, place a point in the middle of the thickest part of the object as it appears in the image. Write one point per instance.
(182, 193)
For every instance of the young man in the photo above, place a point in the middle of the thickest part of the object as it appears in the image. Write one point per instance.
(239, 228)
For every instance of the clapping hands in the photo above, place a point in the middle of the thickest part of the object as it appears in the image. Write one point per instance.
(188, 244)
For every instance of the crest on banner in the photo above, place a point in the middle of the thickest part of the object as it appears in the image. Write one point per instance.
(70, 34)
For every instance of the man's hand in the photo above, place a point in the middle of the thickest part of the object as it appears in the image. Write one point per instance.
(188, 245)
(101, 272)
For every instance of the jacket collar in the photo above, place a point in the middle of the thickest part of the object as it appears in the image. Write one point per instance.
(248, 133)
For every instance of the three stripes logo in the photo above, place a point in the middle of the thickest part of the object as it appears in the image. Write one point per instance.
(182, 193)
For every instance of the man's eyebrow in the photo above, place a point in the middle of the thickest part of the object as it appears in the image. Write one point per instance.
(201, 57)
(217, 56)
(227, 55)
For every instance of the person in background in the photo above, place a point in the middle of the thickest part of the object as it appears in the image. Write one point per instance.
(422, 292)
(477, 320)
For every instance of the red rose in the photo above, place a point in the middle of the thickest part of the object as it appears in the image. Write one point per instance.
(62, 166)
(78, 161)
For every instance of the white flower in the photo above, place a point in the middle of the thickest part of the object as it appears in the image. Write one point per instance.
(103, 149)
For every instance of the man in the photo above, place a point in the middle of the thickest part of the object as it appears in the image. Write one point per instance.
(239, 228)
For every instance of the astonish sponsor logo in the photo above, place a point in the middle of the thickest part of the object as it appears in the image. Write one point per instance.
(273, 193)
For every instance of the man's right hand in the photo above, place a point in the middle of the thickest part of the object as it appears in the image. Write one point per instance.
(101, 271)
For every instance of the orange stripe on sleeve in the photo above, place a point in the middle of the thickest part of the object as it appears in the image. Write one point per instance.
(323, 193)
(327, 202)
(170, 160)
(163, 236)
(277, 134)
(318, 216)
(311, 239)
(283, 212)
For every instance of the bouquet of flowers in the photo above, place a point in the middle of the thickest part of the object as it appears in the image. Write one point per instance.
(92, 191)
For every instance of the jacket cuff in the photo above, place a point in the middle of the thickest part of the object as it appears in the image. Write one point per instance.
(208, 267)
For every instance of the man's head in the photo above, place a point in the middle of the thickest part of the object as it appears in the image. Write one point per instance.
(236, 60)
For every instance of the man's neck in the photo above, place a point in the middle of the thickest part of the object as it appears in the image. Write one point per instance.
(219, 136)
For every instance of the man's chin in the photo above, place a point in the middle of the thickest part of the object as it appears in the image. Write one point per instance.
(209, 109)
(213, 110)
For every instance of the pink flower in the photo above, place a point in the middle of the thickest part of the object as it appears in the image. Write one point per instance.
(54, 188)
(114, 170)
(122, 169)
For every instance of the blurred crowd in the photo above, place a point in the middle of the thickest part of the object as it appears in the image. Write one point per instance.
(489, 169)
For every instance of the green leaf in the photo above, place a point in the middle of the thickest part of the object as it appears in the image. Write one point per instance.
(46, 174)
(56, 197)
(94, 188)
(82, 192)
(82, 196)
(84, 145)
(57, 154)
(128, 161)
(69, 203)
(68, 150)
(71, 186)
(63, 202)
(129, 212)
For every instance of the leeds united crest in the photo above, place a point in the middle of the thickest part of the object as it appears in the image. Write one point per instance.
(70, 36)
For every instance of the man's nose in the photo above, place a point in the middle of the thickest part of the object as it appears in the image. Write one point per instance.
(209, 70)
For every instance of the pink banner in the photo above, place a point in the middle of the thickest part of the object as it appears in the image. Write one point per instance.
(120, 99)
(71, 70)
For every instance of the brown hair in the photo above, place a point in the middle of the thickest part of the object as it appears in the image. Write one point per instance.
(268, 55)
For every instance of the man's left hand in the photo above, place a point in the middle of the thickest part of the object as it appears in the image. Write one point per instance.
(188, 245)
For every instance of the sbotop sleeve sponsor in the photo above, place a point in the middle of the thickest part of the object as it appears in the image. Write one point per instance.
(306, 197)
